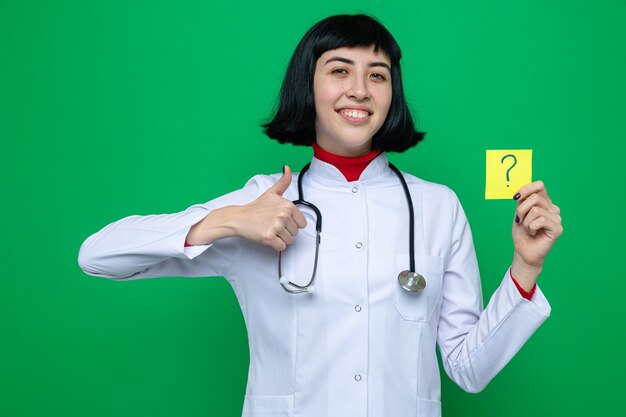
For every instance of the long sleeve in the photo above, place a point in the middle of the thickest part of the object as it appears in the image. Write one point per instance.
(154, 245)
(476, 344)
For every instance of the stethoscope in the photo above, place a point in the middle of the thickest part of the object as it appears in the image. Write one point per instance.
(409, 280)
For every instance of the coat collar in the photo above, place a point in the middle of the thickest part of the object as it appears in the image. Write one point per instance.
(328, 172)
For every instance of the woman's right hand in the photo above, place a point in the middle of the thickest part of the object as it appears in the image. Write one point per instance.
(269, 220)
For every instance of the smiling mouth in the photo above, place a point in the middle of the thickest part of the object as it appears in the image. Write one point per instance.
(354, 114)
(355, 117)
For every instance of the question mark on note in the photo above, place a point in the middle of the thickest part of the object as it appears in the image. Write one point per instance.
(499, 166)
(510, 168)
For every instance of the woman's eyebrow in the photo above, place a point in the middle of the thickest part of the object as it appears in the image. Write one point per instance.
(351, 62)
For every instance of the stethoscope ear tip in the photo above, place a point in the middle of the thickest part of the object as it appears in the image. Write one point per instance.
(283, 280)
(311, 289)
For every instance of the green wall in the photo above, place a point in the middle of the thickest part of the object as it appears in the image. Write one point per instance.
(112, 108)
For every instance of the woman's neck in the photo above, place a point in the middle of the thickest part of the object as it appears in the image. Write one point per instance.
(350, 167)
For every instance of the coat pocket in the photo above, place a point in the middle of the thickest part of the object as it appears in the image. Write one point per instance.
(419, 306)
(428, 407)
(268, 406)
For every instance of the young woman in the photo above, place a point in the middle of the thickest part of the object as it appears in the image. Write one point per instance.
(345, 322)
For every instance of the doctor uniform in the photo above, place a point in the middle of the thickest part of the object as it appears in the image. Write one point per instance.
(361, 345)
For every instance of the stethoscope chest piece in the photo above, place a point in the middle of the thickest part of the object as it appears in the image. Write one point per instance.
(411, 281)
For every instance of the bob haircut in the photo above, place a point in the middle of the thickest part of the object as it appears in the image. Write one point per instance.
(294, 121)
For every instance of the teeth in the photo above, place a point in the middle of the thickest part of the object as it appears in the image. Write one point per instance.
(356, 114)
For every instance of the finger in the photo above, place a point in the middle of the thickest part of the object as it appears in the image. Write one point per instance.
(535, 225)
(283, 182)
(277, 244)
(549, 226)
(285, 236)
(299, 218)
(291, 227)
(537, 217)
(527, 190)
(534, 200)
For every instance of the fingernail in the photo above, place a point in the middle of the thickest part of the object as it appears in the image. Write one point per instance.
(516, 196)
(516, 219)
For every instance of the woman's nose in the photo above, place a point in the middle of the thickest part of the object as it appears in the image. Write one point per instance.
(358, 88)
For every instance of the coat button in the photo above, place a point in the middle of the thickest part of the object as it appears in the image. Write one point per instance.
(357, 308)
(358, 245)
(357, 377)
(355, 189)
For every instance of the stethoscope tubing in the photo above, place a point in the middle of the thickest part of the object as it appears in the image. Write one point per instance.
(295, 288)
(409, 201)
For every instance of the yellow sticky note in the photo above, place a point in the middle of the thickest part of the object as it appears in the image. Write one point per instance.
(507, 171)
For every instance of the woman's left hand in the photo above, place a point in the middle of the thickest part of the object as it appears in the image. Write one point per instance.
(537, 225)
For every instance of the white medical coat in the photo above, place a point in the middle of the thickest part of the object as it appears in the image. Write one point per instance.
(361, 345)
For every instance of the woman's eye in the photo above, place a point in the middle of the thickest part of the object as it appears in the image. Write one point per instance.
(379, 76)
(339, 71)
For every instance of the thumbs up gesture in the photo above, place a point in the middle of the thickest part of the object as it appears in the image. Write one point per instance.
(271, 219)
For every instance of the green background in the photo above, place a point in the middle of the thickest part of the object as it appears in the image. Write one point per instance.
(111, 108)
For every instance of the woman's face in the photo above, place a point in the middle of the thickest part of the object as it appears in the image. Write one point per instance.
(352, 90)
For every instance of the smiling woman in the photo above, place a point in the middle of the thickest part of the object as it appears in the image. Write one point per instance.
(363, 343)
(351, 43)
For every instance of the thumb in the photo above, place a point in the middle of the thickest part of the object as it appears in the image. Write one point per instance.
(283, 183)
